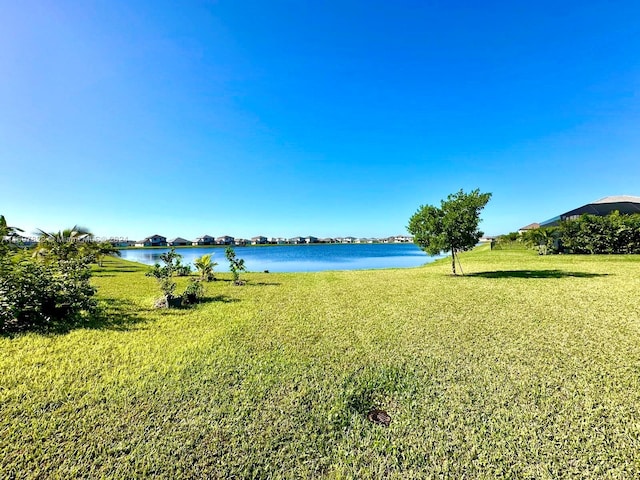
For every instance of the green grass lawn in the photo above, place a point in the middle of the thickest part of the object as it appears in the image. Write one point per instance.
(527, 367)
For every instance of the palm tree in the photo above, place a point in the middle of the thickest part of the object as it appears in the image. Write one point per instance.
(204, 265)
(105, 249)
(7, 234)
(541, 238)
(62, 244)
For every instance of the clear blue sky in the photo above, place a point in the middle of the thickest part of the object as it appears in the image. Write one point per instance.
(336, 118)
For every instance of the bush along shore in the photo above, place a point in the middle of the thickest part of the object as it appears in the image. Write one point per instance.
(588, 234)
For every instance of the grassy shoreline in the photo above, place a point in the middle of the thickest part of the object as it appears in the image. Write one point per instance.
(526, 367)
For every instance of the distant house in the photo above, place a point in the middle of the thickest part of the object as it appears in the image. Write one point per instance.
(625, 204)
(278, 241)
(121, 243)
(239, 242)
(348, 240)
(327, 240)
(259, 240)
(531, 226)
(297, 240)
(178, 242)
(152, 241)
(403, 239)
(487, 239)
(310, 239)
(204, 240)
(225, 240)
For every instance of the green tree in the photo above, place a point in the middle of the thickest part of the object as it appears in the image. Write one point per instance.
(164, 275)
(105, 249)
(236, 265)
(453, 227)
(205, 265)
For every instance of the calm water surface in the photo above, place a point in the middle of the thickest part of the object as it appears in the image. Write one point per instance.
(300, 258)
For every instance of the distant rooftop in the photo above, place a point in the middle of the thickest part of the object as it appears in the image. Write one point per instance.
(618, 199)
(625, 204)
(531, 226)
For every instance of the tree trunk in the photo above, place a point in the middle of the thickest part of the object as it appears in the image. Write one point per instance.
(453, 260)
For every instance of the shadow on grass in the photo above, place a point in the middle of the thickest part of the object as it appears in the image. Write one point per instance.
(111, 271)
(219, 298)
(249, 283)
(216, 299)
(110, 314)
(535, 274)
(113, 314)
(181, 309)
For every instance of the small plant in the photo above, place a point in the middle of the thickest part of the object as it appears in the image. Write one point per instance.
(171, 260)
(236, 265)
(194, 292)
(204, 265)
(182, 270)
(164, 275)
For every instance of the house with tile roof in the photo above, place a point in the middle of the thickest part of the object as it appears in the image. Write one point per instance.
(152, 241)
(178, 242)
(204, 240)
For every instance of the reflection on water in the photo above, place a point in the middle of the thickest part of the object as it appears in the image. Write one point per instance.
(300, 258)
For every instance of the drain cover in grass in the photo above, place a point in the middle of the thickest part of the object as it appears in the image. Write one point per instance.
(380, 417)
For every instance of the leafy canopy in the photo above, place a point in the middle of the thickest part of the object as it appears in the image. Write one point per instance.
(452, 227)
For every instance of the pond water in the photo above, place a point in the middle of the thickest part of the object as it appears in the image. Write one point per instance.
(299, 258)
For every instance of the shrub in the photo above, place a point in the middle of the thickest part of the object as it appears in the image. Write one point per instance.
(193, 293)
(544, 239)
(164, 275)
(509, 241)
(37, 295)
(236, 265)
(590, 234)
(182, 270)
